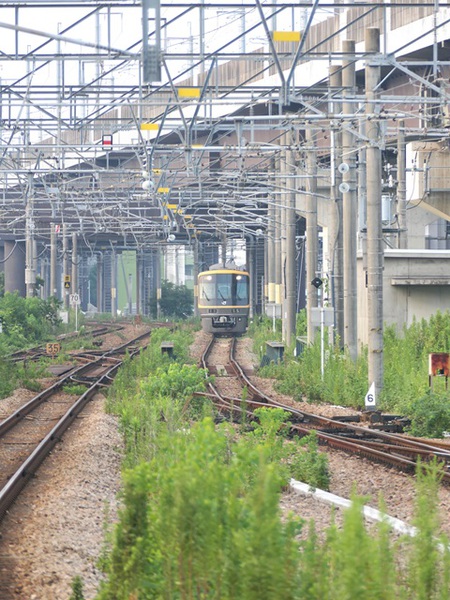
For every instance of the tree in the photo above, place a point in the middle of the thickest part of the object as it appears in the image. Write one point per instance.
(177, 301)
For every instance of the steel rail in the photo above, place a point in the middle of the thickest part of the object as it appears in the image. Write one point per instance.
(19, 479)
(357, 429)
(393, 449)
(37, 351)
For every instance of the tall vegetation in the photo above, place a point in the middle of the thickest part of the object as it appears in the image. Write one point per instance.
(176, 302)
(26, 321)
(345, 382)
(196, 494)
(201, 517)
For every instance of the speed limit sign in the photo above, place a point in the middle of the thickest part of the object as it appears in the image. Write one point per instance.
(74, 299)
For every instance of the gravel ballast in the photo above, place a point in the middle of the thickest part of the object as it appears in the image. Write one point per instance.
(56, 531)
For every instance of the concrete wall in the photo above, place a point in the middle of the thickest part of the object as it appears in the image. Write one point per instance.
(416, 285)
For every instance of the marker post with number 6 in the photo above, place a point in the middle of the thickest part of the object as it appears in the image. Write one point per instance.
(370, 400)
(75, 301)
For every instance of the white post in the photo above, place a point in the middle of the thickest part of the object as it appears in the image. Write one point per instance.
(322, 350)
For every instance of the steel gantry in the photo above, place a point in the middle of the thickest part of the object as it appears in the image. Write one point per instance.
(136, 125)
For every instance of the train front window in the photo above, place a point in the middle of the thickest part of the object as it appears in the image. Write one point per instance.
(224, 289)
(207, 292)
(241, 290)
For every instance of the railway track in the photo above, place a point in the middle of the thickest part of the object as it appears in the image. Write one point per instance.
(29, 433)
(400, 451)
(94, 330)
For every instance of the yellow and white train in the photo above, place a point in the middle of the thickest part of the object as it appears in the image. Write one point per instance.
(223, 300)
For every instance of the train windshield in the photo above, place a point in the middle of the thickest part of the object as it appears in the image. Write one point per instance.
(224, 289)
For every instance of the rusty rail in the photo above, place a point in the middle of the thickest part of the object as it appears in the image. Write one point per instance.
(396, 450)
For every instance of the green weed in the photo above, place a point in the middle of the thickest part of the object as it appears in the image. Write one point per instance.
(77, 589)
(75, 389)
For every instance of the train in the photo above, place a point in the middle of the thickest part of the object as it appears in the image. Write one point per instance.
(223, 300)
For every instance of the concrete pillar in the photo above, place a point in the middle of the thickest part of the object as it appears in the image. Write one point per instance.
(401, 187)
(40, 291)
(350, 211)
(53, 265)
(374, 223)
(75, 287)
(284, 185)
(45, 274)
(277, 235)
(139, 265)
(250, 258)
(196, 272)
(114, 284)
(15, 267)
(223, 248)
(66, 268)
(336, 241)
(362, 188)
(158, 282)
(270, 272)
(100, 291)
(30, 266)
(291, 287)
(311, 232)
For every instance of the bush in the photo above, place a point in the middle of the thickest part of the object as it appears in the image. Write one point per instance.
(177, 301)
(311, 466)
(346, 382)
(27, 321)
(191, 526)
(430, 415)
(200, 513)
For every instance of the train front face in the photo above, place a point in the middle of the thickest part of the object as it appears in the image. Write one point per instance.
(223, 301)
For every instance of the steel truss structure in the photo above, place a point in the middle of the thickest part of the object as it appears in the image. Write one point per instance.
(89, 141)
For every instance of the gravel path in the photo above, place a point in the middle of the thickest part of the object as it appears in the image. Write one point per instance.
(56, 531)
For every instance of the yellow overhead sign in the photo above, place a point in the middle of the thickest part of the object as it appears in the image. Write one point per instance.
(286, 36)
(163, 190)
(189, 92)
(149, 126)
